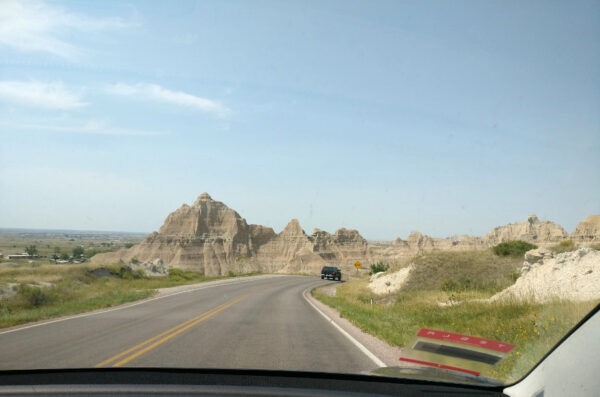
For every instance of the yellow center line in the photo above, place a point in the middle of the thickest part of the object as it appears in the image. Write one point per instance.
(166, 335)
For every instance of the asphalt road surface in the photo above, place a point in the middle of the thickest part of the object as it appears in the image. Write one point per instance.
(262, 323)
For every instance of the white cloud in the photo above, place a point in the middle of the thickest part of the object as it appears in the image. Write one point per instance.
(36, 26)
(38, 94)
(98, 127)
(161, 94)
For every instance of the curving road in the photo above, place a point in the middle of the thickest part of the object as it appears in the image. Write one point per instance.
(261, 322)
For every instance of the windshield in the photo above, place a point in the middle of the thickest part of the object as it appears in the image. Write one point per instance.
(230, 184)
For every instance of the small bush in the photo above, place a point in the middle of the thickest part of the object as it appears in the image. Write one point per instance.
(230, 274)
(125, 273)
(180, 275)
(514, 276)
(34, 296)
(448, 285)
(595, 246)
(379, 267)
(564, 246)
(128, 245)
(513, 248)
(135, 261)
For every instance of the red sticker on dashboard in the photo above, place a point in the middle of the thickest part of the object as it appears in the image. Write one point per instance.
(429, 363)
(465, 340)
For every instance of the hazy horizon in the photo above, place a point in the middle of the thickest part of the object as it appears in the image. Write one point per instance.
(276, 231)
(385, 117)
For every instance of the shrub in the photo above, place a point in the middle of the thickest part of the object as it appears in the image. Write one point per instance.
(595, 246)
(135, 261)
(179, 275)
(230, 274)
(125, 273)
(448, 285)
(564, 246)
(35, 296)
(128, 245)
(379, 267)
(513, 248)
(514, 276)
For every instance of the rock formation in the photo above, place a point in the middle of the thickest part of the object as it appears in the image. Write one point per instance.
(588, 230)
(212, 238)
(532, 230)
(545, 276)
(208, 237)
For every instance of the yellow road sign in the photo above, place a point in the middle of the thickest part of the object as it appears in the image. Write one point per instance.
(357, 265)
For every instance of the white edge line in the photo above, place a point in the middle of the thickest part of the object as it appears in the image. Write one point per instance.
(356, 343)
(124, 306)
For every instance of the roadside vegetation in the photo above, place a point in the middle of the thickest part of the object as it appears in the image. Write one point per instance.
(480, 270)
(513, 248)
(564, 246)
(448, 291)
(379, 267)
(40, 290)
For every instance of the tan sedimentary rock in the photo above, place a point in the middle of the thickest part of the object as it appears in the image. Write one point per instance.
(207, 237)
(212, 238)
(588, 230)
(532, 230)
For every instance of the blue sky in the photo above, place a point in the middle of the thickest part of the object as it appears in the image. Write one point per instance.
(444, 117)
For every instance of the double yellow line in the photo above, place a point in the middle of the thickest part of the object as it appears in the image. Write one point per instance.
(149, 344)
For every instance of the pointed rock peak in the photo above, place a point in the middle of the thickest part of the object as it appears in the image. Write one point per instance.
(203, 197)
(293, 227)
(532, 218)
(415, 235)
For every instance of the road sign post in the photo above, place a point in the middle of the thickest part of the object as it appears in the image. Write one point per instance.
(357, 266)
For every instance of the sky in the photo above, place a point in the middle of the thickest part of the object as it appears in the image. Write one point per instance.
(382, 116)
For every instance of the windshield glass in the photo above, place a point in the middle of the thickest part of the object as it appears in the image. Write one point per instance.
(228, 184)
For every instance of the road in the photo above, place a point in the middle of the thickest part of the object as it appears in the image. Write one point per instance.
(259, 322)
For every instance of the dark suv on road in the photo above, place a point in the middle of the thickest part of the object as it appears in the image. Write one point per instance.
(331, 272)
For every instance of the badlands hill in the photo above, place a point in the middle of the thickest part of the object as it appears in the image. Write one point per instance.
(532, 230)
(212, 238)
(588, 230)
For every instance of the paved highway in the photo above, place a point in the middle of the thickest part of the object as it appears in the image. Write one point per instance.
(259, 322)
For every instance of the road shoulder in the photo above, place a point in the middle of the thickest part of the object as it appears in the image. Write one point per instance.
(381, 349)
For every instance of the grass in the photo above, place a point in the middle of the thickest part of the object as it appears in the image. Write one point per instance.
(534, 328)
(563, 246)
(480, 270)
(75, 289)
